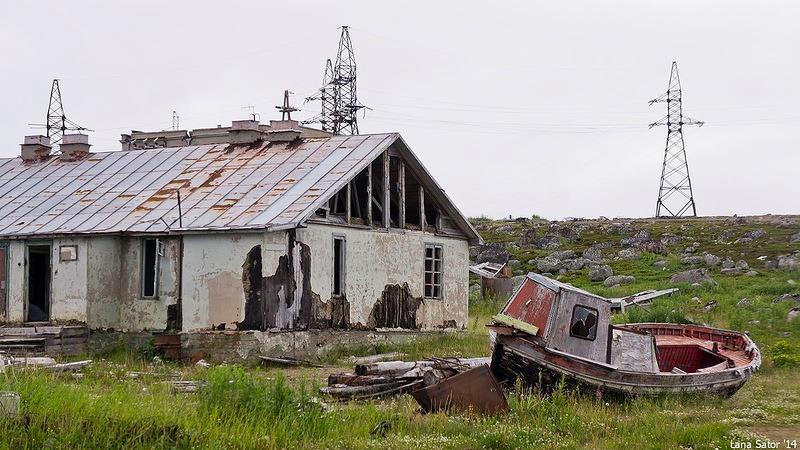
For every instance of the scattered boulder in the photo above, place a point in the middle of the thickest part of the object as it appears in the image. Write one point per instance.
(493, 253)
(692, 248)
(692, 260)
(548, 265)
(629, 253)
(670, 239)
(744, 303)
(504, 229)
(565, 230)
(656, 247)
(793, 314)
(710, 306)
(755, 234)
(527, 238)
(547, 242)
(635, 240)
(712, 260)
(575, 264)
(743, 240)
(788, 298)
(660, 263)
(615, 280)
(692, 276)
(562, 255)
(788, 263)
(731, 271)
(742, 264)
(513, 262)
(726, 236)
(770, 264)
(600, 273)
(728, 263)
(593, 252)
(751, 273)
(795, 237)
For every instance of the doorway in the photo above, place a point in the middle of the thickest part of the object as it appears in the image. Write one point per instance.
(3, 282)
(38, 283)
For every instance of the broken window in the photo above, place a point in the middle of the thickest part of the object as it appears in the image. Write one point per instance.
(150, 253)
(376, 200)
(338, 266)
(3, 280)
(433, 271)
(584, 323)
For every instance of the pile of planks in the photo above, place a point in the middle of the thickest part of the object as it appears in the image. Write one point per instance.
(383, 378)
(41, 362)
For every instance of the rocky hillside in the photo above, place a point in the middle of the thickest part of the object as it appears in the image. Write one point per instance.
(737, 272)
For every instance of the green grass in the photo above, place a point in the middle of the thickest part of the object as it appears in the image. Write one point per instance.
(253, 407)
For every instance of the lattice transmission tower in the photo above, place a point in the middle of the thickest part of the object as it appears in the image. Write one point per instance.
(338, 95)
(675, 197)
(57, 122)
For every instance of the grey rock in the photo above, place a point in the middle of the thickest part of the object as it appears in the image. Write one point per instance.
(636, 239)
(548, 265)
(562, 255)
(731, 271)
(494, 253)
(726, 236)
(504, 229)
(566, 231)
(600, 273)
(575, 264)
(618, 279)
(793, 314)
(742, 264)
(660, 263)
(795, 237)
(692, 276)
(744, 303)
(712, 260)
(788, 263)
(788, 298)
(710, 306)
(547, 242)
(593, 252)
(527, 238)
(755, 234)
(751, 273)
(692, 260)
(743, 240)
(656, 247)
(629, 253)
(770, 264)
(513, 262)
(670, 239)
(690, 249)
(728, 263)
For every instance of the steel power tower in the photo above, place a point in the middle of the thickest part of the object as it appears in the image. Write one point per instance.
(675, 191)
(57, 123)
(340, 103)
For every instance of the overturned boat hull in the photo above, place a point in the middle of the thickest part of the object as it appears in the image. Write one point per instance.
(524, 357)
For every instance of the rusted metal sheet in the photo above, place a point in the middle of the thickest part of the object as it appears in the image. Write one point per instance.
(473, 390)
(222, 187)
(532, 304)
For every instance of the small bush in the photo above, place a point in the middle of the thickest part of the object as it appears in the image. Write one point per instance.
(784, 354)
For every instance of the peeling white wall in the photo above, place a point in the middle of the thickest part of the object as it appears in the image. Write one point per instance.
(104, 278)
(16, 281)
(213, 293)
(69, 282)
(375, 258)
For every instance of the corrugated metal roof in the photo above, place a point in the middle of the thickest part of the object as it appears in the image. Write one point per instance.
(276, 185)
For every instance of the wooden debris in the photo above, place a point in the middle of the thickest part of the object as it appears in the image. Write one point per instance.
(376, 358)
(185, 387)
(68, 367)
(288, 361)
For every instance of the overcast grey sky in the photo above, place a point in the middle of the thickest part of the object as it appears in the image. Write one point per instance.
(515, 107)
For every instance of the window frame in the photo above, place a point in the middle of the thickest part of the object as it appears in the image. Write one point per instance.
(433, 272)
(572, 322)
(156, 269)
(343, 268)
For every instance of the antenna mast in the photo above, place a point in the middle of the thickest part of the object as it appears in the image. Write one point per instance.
(675, 197)
(57, 122)
(286, 110)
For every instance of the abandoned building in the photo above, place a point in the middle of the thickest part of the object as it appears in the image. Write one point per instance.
(248, 227)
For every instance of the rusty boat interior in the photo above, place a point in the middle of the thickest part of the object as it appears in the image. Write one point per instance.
(549, 329)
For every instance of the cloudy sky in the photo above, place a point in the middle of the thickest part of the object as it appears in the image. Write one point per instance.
(517, 108)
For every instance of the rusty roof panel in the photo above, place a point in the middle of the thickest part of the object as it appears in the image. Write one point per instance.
(222, 187)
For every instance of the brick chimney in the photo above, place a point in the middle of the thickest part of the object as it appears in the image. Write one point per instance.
(74, 147)
(35, 148)
(244, 132)
(283, 130)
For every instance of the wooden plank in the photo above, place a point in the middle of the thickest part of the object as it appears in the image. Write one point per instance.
(387, 218)
(348, 214)
(422, 221)
(369, 195)
(516, 323)
(401, 175)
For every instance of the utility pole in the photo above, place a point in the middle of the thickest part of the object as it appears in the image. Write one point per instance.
(286, 110)
(176, 121)
(57, 122)
(339, 114)
(675, 197)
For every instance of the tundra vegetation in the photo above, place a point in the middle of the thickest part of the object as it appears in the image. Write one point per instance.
(256, 407)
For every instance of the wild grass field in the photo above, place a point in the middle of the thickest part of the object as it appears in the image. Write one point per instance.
(256, 407)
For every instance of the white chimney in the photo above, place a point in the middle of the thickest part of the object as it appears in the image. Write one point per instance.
(244, 132)
(35, 148)
(283, 130)
(74, 146)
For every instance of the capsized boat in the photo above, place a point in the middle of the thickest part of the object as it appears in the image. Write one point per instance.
(549, 331)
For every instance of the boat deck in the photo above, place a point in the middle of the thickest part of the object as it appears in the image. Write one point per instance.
(738, 356)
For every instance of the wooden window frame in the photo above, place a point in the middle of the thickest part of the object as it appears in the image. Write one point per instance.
(433, 294)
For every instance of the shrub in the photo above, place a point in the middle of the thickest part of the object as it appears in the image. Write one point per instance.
(784, 354)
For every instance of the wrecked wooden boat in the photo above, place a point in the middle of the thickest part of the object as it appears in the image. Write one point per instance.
(551, 331)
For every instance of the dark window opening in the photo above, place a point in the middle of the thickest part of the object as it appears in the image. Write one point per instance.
(431, 212)
(338, 267)
(149, 268)
(38, 283)
(412, 202)
(358, 198)
(584, 323)
(337, 205)
(3, 281)
(377, 192)
(433, 271)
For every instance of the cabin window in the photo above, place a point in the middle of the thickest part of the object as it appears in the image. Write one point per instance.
(150, 252)
(584, 322)
(338, 266)
(433, 271)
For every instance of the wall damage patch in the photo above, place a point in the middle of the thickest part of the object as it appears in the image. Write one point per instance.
(397, 308)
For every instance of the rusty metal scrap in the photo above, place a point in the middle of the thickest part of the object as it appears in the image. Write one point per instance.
(475, 390)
